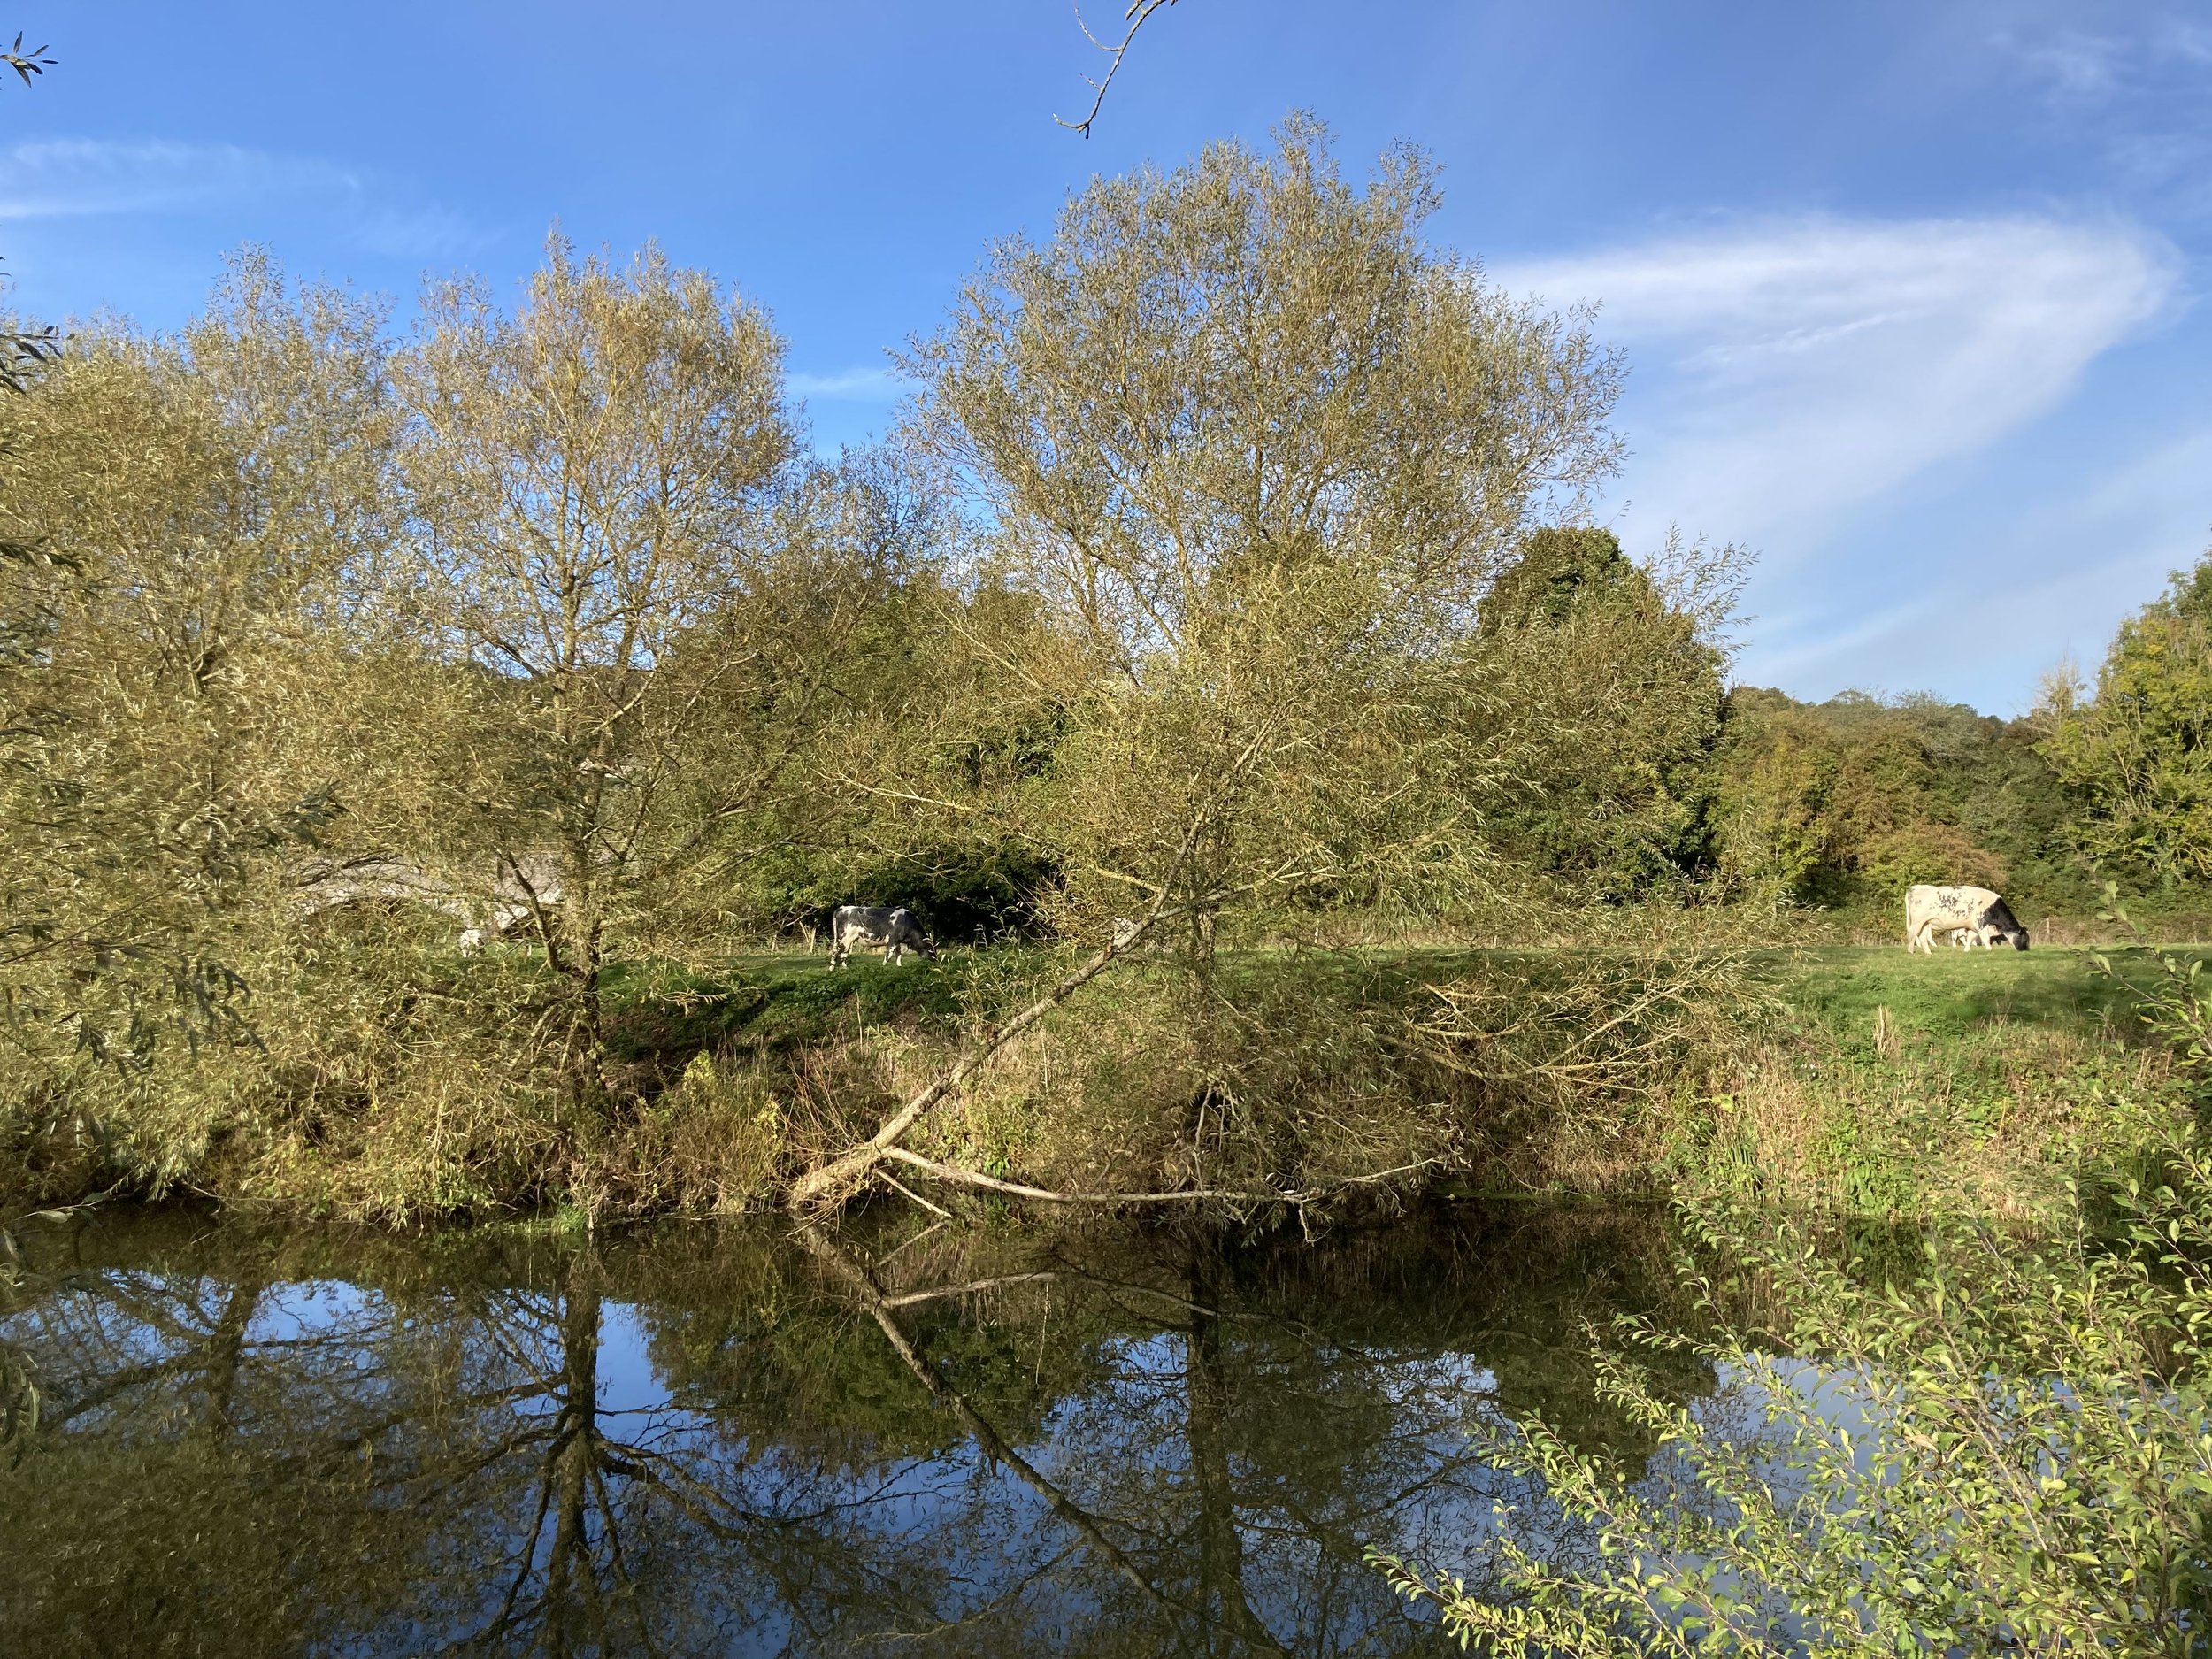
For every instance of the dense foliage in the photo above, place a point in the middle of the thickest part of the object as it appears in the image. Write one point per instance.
(1618, 697)
(2140, 753)
(1842, 804)
(2004, 1446)
(1227, 583)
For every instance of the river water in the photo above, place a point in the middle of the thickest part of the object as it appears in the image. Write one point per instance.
(732, 1439)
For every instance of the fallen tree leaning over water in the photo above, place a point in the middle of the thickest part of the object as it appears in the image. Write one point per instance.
(1552, 1049)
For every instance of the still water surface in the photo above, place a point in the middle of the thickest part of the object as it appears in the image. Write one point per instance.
(730, 1439)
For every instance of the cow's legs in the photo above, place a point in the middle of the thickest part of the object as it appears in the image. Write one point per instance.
(894, 955)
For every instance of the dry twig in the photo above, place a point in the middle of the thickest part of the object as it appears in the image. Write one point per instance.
(1134, 17)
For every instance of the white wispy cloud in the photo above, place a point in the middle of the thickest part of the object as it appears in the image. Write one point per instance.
(2129, 79)
(77, 178)
(2051, 580)
(2086, 54)
(2069, 63)
(70, 177)
(859, 385)
(1784, 371)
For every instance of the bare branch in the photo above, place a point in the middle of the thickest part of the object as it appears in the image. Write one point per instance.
(958, 1177)
(1134, 17)
(909, 1194)
(954, 1175)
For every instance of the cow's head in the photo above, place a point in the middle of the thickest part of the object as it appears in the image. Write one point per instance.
(2000, 920)
(906, 927)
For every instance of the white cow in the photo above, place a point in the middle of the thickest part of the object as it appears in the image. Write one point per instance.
(890, 928)
(1971, 915)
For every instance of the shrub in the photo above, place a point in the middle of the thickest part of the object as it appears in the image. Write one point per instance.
(2011, 1450)
(2013, 1454)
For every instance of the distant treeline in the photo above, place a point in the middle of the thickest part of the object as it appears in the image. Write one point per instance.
(1665, 785)
(1842, 803)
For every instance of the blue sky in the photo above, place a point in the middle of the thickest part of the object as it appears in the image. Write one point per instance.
(1909, 291)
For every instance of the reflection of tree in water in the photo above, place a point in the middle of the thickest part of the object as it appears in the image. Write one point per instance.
(195, 1455)
(645, 1530)
(562, 1593)
(1125, 1441)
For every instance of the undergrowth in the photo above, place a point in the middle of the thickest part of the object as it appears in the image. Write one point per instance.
(387, 1083)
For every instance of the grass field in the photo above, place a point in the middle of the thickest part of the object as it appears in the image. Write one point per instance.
(772, 1001)
(1950, 993)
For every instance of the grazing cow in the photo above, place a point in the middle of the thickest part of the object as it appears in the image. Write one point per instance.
(517, 889)
(1977, 913)
(890, 928)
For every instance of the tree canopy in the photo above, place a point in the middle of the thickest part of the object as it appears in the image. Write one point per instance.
(2139, 751)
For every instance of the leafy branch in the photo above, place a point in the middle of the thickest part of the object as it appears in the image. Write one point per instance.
(26, 65)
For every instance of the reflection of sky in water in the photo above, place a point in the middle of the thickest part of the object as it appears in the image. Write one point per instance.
(531, 1455)
(628, 1381)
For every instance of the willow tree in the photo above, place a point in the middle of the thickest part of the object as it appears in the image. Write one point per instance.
(612, 620)
(1256, 450)
(176, 517)
(1245, 452)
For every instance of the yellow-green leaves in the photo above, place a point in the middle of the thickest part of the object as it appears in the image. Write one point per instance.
(1254, 450)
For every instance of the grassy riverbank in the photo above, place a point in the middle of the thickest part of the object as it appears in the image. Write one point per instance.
(1856, 1079)
(1861, 1080)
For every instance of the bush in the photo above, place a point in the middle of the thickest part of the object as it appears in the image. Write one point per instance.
(2014, 1454)
(957, 889)
(2009, 1450)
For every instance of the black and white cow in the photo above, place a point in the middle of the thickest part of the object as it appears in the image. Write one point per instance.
(1979, 915)
(890, 928)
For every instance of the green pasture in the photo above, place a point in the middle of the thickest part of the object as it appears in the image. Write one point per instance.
(1950, 993)
(777, 1001)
